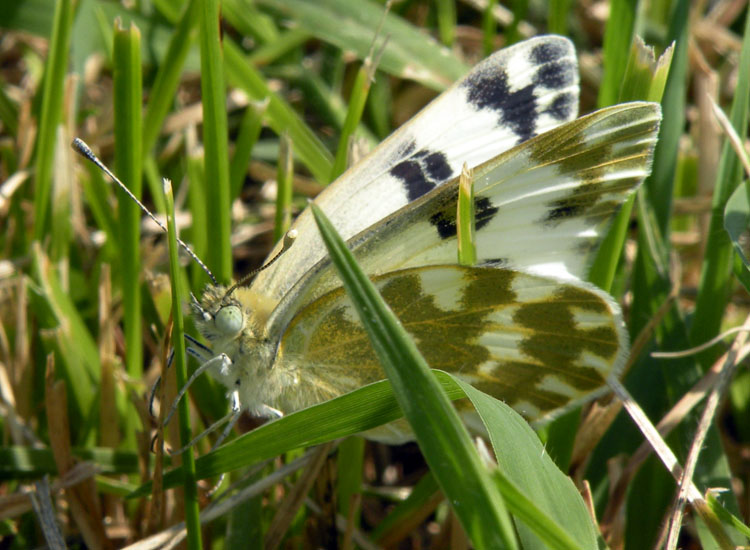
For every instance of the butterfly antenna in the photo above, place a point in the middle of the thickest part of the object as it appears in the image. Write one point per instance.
(80, 147)
(288, 242)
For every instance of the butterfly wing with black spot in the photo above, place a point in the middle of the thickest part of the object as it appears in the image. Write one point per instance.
(541, 207)
(513, 95)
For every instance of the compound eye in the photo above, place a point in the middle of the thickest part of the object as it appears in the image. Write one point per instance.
(229, 320)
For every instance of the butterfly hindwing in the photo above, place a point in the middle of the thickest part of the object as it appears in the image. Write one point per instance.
(515, 94)
(537, 343)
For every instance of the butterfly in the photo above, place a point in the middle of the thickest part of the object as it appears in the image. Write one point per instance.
(521, 324)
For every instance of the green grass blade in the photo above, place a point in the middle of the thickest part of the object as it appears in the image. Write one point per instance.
(168, 75)
(737, 223)
(557, 16)
(250, 21)
(8, 111)
(618, 36)
(29, 462)
(284, 177)
(350, 461)
(128, 91)
(192, 512)
(350, 25)
(446, 20)
(250, 127)
(219, 254)
(644, 79)
(281, 117)
(489, 28)
(366, 408)
(661, 182)
(547, 503)
(51, 112)
(357, 101)
(287, 43)
(442, 437)
(196, 174)
(714, 287)
(78, 363)
(465, 219)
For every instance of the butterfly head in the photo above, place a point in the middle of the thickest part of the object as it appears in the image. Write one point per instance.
(218, 315)
(227, 314)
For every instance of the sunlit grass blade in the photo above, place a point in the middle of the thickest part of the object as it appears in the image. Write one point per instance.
(168, 75)
(250, 127)
(281, 117)
(128, 91)
(714, 287)
(465, 219)
(551, 511)
(284, 177)
(192, 513)
(219, 254)
(618, 36)
(357, 100)
(644, 79)
(51, 112)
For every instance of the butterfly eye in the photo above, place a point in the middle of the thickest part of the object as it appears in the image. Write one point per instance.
(229, 320)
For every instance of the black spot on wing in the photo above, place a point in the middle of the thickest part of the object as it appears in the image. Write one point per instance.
(517, 109)
(496, 263)
(577, 204)
(547, 52)
(422, 172)
(445, 219)
(412, 178)
(562, 106)
(445, 225)
(483, 212)
(555, 75)
(405, 150)
(517, 106)
(437, 167)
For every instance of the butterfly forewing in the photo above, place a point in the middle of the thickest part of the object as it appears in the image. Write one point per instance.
(538, 344)
(541, 207)
(517, 93)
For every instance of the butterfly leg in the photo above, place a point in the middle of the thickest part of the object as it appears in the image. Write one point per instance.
(196, 349)
(233, 416)
(230, 419)
(221, 359)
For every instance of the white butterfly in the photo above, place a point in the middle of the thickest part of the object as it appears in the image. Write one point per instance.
(521, 324)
